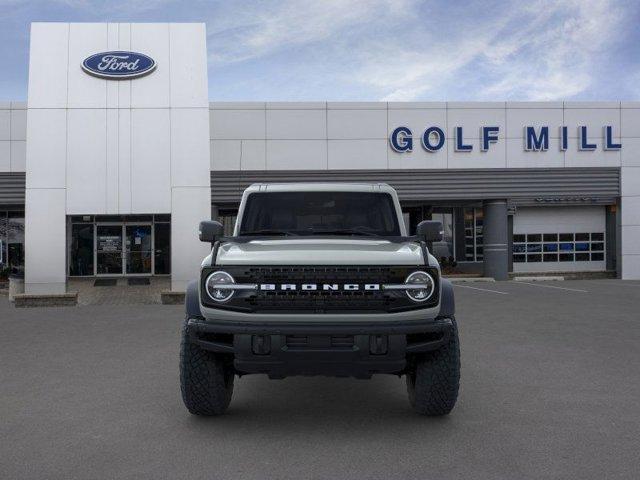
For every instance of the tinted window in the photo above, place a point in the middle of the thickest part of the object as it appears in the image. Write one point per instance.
(308, 213)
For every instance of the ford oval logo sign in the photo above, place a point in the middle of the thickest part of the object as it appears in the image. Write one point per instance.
(118, 65)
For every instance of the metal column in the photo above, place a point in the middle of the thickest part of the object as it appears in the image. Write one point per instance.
(495, 239)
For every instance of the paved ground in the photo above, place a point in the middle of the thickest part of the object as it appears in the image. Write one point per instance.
(119, 294)
(550, 389)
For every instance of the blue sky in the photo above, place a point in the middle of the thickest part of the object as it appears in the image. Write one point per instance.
(377, 49)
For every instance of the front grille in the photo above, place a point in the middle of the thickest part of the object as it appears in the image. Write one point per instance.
(323, 300)
(319, 301)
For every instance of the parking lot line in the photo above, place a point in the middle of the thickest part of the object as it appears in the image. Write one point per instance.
(552, 286)
(481, 289)
(617, 283)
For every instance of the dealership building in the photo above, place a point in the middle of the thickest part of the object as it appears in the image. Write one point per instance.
(118, 153)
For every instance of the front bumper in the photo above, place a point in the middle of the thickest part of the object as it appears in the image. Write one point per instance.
(332, 349)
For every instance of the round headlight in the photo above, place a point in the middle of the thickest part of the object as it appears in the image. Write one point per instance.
(421, 286)
(214, 283)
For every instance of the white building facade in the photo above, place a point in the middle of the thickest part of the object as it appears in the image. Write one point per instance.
(110, 177)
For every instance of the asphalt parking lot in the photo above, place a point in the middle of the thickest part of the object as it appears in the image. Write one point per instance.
(550, 389)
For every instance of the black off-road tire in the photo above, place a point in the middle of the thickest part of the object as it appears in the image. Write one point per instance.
(433, 383)
(206, 381)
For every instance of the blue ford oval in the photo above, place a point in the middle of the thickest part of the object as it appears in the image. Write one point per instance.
(118, 65)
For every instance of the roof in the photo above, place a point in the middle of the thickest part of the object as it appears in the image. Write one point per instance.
(320, 187)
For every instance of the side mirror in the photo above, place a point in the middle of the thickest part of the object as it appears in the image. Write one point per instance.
(210, 230)
(430, 231)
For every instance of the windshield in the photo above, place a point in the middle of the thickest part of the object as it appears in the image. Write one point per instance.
(314, 213)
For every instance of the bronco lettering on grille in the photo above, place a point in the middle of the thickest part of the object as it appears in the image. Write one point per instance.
(349, 287)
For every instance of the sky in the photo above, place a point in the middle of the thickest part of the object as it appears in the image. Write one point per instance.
(377, 50)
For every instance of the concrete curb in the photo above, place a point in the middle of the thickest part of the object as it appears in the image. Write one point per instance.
(549, 278)
(26, 300)
(471, 279)
(168, 297)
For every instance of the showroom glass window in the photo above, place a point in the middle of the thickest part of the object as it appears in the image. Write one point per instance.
(12, 239)
(473, 234)
(558, 247)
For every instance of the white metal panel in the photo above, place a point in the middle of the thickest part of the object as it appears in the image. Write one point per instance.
(226, 154)
(630, 235)
(518, 118)
(356, 124)
(530, 105)
(418, 158)
(630, 181)
(5, 124)
(630, 267)
(294, 105)
(237, 105)
(113, 43)
(409, 105)
(47, 152)
(190, 205)
(254, 155)
(357, 105)
(518, 157)
(5, 156)
(124, 161)
(630, 153)
(296, 154)
(18, 124)
(86, 91)
(112, 162)
(18, 156)
(189, 145)
(296, 124)
(188, 65)
(592, 118)
(150, 160)
(495, 157)
(630, 211)
(237, 124)
(124, 86)
(599, 157)
(152, 90)
(86, 161)
(357, 154)
(48, 57)
(575, 219)
(471, 119)
(45, 241)
(537, 267)
(418, 120)
(630, 122)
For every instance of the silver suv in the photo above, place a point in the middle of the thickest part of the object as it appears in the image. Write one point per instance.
(320, 279)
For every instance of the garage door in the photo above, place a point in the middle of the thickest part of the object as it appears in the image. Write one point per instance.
(559, 239)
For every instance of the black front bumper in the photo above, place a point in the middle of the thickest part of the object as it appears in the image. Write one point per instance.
(344, 349)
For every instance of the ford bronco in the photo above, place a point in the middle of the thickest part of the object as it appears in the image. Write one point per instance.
(320, 279)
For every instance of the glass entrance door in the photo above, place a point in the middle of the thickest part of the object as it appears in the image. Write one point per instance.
(109, 249)
(139, 249)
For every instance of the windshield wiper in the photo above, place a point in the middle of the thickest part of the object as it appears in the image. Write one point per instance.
(283, 233)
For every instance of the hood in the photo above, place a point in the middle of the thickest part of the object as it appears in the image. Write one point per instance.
(315, 251)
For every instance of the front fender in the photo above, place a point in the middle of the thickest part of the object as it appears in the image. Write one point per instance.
(192, 300)
(447, 300)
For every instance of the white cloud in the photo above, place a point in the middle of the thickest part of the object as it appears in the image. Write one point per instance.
(547, 50)
(555, 59)
(255, 32)
(407, 50)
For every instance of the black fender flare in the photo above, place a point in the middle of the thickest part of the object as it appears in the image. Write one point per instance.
(447, 300)
(192, 300)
